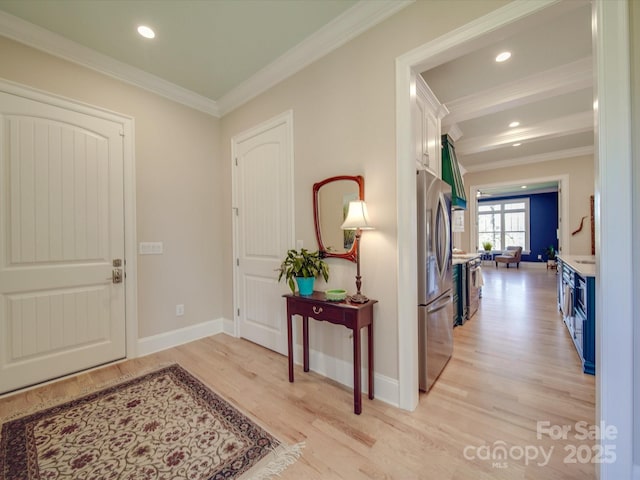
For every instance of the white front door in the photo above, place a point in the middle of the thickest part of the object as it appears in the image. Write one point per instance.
(61, 228)
(263, 201)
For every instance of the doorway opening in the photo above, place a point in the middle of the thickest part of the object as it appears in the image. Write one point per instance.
(613, 201)
(546, 205)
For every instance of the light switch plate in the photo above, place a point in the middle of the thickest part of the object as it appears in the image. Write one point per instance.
(150, 248)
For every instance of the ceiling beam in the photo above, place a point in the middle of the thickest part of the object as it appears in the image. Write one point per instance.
(550, 83)
(557, 127)
(542, 157)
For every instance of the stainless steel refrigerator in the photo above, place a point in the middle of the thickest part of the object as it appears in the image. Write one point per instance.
(435, 285)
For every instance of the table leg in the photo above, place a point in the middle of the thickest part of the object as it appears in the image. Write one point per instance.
(305, 343)
(370, 353)
(290, 346)
(357, 387)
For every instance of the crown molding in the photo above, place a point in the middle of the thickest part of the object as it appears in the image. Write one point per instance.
(543, 157)
(359, 18)
(426, 94)
(454, 132)
(37, 37)
(557, 127)
(550, 83)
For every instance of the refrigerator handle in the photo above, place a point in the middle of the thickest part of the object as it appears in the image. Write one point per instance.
(442, 304)
(444, 254)
(447, 230)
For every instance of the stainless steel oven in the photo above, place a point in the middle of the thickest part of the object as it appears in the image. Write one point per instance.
(581, 294)
(473, 288)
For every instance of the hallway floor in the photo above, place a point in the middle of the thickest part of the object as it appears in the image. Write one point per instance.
(513, 367)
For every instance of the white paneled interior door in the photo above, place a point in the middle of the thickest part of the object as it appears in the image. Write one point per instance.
(263, 199)
(61, 228)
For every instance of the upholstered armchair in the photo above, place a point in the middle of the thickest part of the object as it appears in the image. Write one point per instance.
(510, 255)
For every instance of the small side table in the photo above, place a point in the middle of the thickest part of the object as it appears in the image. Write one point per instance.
(354, 316)
(486, 256)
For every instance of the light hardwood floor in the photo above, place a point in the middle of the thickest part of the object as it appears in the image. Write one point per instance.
(513, 366)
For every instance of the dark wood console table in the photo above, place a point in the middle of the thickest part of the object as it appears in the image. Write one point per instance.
(352, 315)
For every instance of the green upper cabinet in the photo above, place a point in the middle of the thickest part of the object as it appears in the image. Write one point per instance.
(451, 174)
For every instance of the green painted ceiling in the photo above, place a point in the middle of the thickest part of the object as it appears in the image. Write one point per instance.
(206, 46)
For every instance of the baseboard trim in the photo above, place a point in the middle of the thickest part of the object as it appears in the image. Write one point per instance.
(386, 388)
(522, 265)
(228, 327)
(534, 265)
(162, 341)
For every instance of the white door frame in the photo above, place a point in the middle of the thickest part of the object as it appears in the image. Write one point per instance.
(563, 196)
(127, 124)
(287, 119)
(614, 385)
(615, 308)
(408, 66)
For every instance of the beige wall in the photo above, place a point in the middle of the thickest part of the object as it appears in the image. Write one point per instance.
(580, 171)
(178, 186)
(344, 123)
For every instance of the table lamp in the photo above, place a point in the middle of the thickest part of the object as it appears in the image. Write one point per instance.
(358, 220)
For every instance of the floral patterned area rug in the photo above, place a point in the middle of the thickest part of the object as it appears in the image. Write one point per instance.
(162, 425)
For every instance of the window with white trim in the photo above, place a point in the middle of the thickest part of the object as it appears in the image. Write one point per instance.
(504, 223)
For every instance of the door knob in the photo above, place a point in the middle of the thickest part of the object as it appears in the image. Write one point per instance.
(116, 275)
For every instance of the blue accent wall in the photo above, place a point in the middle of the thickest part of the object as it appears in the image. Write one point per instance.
(543, 218)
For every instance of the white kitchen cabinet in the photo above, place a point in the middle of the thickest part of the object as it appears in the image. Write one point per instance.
(428, 113)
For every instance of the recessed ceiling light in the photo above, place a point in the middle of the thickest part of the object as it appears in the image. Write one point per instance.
(523, 186)
(514, 124)
(504, 56)
(146, 32)
(516, 144)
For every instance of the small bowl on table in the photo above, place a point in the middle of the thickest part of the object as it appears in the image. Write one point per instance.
(336, 295)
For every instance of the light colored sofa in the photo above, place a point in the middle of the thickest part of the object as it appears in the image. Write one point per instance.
(510, 255)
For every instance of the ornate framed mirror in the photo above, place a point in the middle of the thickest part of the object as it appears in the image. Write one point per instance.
(331, 199)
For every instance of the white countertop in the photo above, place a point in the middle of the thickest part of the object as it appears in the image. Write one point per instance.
(464, 257)
(585, 265)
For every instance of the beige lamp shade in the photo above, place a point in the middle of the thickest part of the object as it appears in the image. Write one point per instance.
(357, 217)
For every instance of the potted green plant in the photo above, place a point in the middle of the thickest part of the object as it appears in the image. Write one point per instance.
(550, 252)
(305, 267)
(487, 246)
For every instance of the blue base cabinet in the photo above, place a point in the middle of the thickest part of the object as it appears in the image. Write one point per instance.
(576, 301)
(460, 307)
(586, 314)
